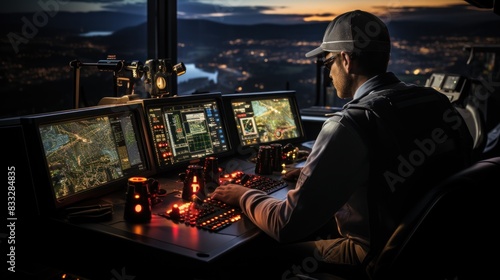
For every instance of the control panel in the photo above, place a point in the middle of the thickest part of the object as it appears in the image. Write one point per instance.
(214, 215)
(163, 150)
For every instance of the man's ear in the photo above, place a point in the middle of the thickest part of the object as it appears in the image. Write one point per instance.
(346, 61)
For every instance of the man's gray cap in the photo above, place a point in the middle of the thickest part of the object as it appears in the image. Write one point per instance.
(354, 31)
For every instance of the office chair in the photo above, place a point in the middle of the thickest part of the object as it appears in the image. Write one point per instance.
(476, 125)
(449, 234)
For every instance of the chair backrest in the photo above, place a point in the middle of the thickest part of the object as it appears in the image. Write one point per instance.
(475, 124)
(407, 157)
(450, 233)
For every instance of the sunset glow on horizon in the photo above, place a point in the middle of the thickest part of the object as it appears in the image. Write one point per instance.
(300, 11)
(324, 10)
(272, 12)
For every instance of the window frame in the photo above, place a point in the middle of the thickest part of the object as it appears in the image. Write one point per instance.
(162, 34)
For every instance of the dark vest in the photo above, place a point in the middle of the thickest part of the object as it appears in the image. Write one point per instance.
(416, 138)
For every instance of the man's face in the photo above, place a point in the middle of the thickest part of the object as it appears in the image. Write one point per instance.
(341, 81)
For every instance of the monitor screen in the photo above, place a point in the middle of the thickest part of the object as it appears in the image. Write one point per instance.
(451, 83)
(89, 152)
(262, 118)
(185, 129)
(436, 80)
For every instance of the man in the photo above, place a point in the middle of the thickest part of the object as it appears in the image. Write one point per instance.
(373, 156)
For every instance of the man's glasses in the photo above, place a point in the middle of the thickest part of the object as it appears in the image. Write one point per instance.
(329, 61)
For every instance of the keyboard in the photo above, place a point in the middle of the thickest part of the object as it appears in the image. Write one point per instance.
(253, 181)
(214, 215)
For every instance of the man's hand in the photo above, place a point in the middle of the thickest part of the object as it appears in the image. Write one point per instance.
(229, 194)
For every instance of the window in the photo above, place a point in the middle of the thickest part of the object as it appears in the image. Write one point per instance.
(41, 38)
(227, 46)
(246, 46)
(229, 56)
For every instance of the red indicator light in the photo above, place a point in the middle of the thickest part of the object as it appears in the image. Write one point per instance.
(194, 184)
(138, 208)
(137, 179)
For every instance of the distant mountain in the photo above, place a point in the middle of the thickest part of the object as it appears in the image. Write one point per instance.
(204, 31)
(215, 36)
(136, 36)
(414, 29)
(133, 27)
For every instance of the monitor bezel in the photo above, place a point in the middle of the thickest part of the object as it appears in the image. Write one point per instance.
(289, 94)
(42, 183)
(185, 99)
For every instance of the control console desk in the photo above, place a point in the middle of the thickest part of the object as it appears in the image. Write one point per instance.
(164, 239)
(173, 236)
(76, 168)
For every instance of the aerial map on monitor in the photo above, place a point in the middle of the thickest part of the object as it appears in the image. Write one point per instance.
(266, 120)
(84, 154)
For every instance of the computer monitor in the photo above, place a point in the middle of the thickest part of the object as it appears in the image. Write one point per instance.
(455, 87)
(185, 129)
(262, 118)
(81, 154)
(435, 80)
